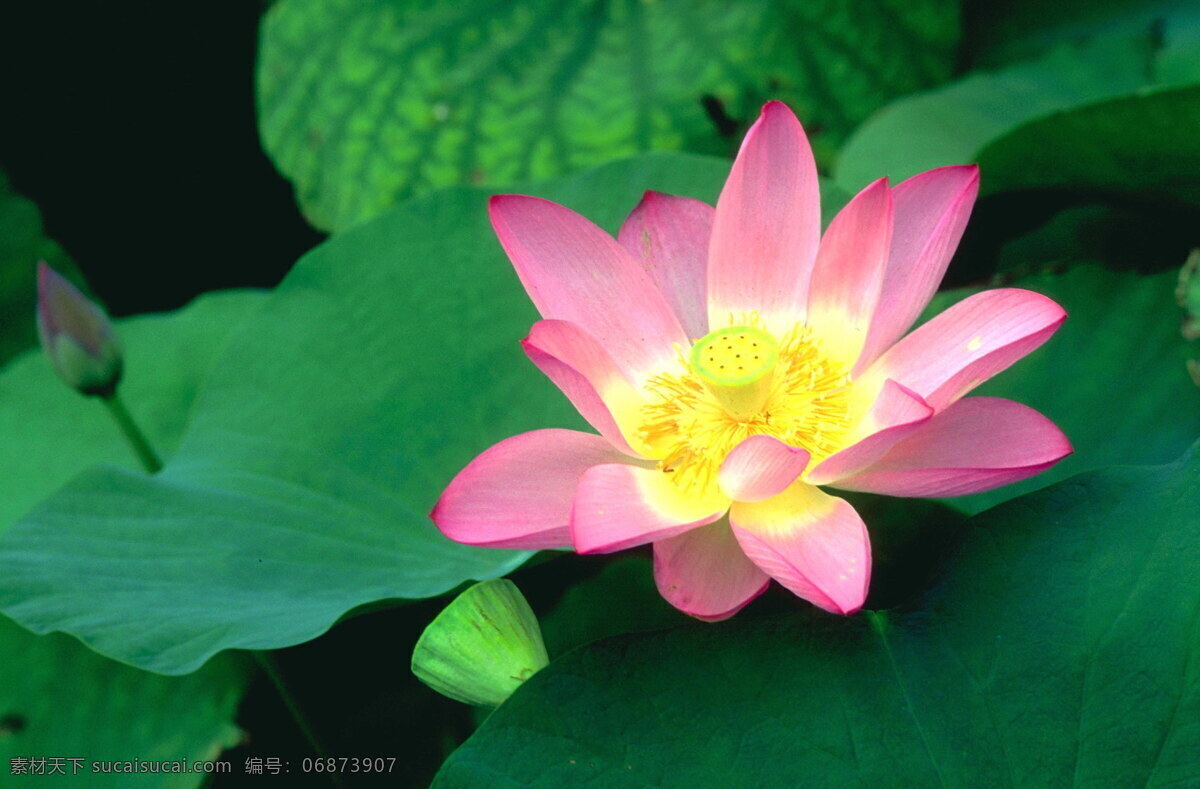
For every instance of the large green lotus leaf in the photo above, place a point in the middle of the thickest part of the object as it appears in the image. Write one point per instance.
(57, 698)
(364, 103)
(952, 124)
(386, 360)
(1062, 648)
(1145, 143)
(51, 433)
(23, 243)
(1113, 377)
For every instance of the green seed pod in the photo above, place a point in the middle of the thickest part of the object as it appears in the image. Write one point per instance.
(482, 646)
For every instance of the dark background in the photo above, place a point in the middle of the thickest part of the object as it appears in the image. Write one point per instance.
(132, 127)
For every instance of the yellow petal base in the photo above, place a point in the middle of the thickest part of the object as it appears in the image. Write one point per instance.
(792, 391)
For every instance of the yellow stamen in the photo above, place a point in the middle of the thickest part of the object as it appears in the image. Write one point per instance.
(737, 366)
(794, 392)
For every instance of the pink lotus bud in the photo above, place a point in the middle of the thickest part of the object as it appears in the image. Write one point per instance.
(76, 335)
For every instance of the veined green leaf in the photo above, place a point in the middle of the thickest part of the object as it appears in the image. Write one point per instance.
(362, 104)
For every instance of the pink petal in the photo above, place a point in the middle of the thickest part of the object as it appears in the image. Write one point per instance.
(849, 271)
(63, 309)
(767, 226)
(518, 493)
(704, 573)
(811, 542)
(619, 506)
(931, 212)
(969, 343)
(670, 235)
(576, 272)
(759, 468)
(586, 374)
(976, 444)
(896, 413)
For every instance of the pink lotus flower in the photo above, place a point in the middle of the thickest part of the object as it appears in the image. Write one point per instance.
(734, 360)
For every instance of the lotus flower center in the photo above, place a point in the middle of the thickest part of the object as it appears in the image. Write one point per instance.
(737, 382)
(737, 365)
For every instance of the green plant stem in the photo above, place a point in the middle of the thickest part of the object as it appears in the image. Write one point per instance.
(267, 664)
(136, 438)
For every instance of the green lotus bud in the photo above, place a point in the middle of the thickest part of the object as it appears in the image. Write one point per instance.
(482, 646)
(76, 335)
